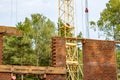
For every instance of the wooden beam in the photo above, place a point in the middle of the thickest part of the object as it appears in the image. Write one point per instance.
(32, 69)
(71, 44)
(81, 39)
(74, 38)
(72, 63)
(10, 31)
(117, 42)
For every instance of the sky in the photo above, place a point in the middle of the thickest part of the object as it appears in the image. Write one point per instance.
(14, 11)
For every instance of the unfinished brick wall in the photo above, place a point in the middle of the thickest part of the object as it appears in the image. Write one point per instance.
(99, 60)
(58, 52)
(58, 57)
(3, 76)
(1, 47)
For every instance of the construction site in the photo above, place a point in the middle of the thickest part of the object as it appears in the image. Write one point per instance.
(98, 56)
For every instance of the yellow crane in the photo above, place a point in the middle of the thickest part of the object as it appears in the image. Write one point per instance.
(66, 28)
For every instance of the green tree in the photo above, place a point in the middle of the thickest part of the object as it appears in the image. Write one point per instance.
(64, 29)
(35, 43)
(18, 50)
(109, 21)
(42, 31)
(79, 35)
(34, 47)
(118, 56)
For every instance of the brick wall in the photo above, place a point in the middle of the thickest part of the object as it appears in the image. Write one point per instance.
(58, 57)
(1, 47)
(99, 60)
(3, 76)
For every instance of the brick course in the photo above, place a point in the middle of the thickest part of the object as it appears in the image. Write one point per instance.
(3, 76)
(99, 60)
(58, 57)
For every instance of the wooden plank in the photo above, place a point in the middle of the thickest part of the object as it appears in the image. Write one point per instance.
(117, 42)
(82, 39)
(71, 44)
(10, 31)
(32, 69)
(72, 62)
(74, 38)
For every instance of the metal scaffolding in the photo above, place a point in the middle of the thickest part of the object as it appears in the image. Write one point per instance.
(66, 17)
(66, 28)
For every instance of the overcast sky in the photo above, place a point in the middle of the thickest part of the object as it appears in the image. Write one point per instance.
(13, 11)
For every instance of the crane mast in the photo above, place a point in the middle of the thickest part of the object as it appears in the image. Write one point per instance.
(66, 18)
(66, 28)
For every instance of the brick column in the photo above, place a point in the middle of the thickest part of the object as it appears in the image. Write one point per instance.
(99, 60)
(3, 76)
(58, 57)
(1, 47)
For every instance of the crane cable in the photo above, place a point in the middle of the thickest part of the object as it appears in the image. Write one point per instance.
(14, 11)
(75, 11)
(11, 15)
(82, 20)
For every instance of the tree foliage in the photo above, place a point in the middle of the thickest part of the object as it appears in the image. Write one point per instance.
(109, 21)
(34, 47)
(42, 31)
(64, 29)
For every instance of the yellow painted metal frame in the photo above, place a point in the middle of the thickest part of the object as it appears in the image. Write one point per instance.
(66, 25)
